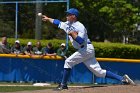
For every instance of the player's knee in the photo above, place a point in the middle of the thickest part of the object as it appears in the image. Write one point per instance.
(68, 64)
(100, 73)
(67, 60)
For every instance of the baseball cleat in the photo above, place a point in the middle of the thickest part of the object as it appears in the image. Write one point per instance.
(60, 87)
(127, 80)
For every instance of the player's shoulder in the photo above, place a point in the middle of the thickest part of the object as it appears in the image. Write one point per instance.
(78, 22)
(79, 25)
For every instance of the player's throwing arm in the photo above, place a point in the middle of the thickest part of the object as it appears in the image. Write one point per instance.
(46, 18)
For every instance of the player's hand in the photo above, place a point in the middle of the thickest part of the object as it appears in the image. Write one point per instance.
(45, 18)
(73, 34)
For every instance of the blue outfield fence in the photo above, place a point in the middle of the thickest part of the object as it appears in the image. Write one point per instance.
(50, 69)
(25, 69)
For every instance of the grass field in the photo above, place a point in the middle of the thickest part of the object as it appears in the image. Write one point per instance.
(73, 88)
(14, 87)
(20, 88)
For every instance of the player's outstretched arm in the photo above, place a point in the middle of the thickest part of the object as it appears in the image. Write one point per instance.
(53, 21)
(46, 18)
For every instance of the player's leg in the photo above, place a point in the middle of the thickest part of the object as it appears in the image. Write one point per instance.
(94, 66)
(69, 63)
(74, 59)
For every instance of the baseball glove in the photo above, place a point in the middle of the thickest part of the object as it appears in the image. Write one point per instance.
(73, 34)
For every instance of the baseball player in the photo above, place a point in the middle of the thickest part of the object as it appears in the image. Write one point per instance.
(85, 51)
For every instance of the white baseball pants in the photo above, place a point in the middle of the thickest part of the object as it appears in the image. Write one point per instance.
(87, 56)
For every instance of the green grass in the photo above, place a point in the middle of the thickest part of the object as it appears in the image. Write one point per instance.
(13, 87)
(21, 88)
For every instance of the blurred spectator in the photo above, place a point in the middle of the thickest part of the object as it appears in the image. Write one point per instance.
(38, 49)
(62, 51)
(28, 50)
(4, 46)
(48, 50)
(17, 48)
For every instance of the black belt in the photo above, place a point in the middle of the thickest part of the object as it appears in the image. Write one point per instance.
(87, 43)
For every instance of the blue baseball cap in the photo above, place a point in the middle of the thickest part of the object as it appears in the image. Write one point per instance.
(73, 11)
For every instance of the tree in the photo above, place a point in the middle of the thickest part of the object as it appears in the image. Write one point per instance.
(104, 19)
(6, 20)
(122, 16)
(107, 17)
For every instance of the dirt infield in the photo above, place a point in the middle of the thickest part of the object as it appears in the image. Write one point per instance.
(92, 89)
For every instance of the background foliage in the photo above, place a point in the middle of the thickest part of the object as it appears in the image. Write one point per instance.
(105, 20)
(109, 50)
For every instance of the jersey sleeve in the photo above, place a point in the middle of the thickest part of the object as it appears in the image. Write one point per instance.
(63, 25)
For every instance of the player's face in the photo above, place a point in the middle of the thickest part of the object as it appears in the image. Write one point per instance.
(70, 17)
